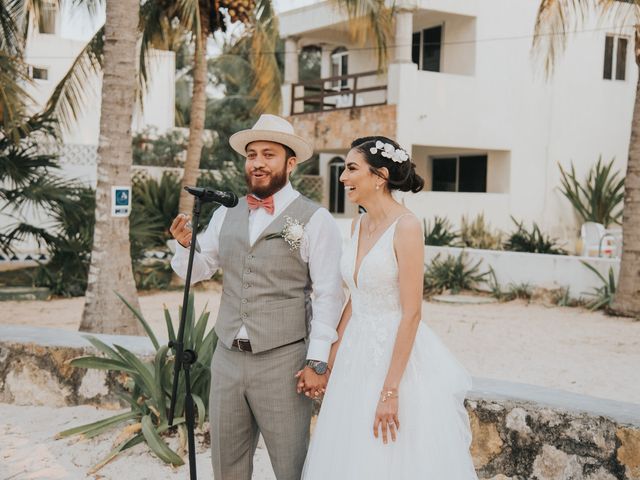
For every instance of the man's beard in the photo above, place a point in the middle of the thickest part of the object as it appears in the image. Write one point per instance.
(277, 182)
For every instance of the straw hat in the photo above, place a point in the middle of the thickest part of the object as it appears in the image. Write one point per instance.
(271, 128)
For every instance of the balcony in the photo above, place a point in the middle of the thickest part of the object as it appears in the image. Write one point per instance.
(338, 93)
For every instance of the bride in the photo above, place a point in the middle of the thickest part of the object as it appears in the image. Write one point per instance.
(393, 408)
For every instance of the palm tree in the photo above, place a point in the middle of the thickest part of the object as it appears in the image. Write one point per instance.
(368, 19)
(203, 18)
(110, 271)
(554, 19)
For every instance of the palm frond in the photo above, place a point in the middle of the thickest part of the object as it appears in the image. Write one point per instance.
(158, 32)
(13, 97)
(263, 37)
(189, 14)
(70, 96)
(11, 18)
(557, 19)
(370, 19)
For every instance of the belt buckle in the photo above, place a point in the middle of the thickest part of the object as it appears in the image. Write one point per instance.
(239, 342)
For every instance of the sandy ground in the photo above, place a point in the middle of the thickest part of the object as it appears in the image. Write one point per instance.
(566, 348)
(28, 450)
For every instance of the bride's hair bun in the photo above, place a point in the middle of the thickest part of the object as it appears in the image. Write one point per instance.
(402, 175)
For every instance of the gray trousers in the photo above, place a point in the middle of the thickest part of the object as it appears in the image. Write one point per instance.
(253, 394)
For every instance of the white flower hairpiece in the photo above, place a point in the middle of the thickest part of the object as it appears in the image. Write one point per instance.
(387, 150)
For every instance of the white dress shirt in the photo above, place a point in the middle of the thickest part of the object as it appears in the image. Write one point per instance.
(320, 249)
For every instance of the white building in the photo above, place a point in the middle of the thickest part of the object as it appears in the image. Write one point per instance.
(51, 48)
(465, 96)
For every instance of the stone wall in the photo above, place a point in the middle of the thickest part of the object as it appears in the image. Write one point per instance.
(34, 368)
(524, 432)
(519, 431)
(335, 130)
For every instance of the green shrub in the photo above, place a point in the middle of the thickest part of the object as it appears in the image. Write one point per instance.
(513, 290)
(452, 273)
(478, 234)
(441, 234)
(532, 241)
(148, 388)
(599, 198)
(166, 150)
(602, 296)
(152, 274)
(69, 249)
(522, 291)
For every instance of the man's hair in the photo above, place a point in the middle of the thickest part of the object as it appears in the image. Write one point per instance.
(288, 152)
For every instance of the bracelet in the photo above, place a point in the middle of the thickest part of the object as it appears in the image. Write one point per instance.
(388, 393)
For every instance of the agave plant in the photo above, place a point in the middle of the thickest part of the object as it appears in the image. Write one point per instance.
(148, 388)
(602, 296)
(452, 273)
(441, 234)
(477, 233)
(532, 241)
(599, 198)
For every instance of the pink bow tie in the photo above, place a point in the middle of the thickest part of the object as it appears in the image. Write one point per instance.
(266, 203)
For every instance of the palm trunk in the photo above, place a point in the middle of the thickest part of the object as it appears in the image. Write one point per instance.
(627, 298)
(196, 124)
(110, 269)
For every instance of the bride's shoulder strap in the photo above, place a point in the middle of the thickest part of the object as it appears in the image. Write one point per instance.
(404, 215)
(355, 223)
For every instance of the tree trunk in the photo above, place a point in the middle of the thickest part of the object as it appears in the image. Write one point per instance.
(196, 124)
(627, 298)
(110, 269)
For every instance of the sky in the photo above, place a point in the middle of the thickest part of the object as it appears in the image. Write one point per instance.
(78, 25)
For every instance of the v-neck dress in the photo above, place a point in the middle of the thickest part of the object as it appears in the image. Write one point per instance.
(434, 436)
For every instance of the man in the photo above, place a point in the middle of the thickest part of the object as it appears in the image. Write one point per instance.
(275, 248)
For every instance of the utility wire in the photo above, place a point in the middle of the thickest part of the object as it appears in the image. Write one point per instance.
(613, 28)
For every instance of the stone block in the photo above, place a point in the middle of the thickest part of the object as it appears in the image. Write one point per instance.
(554, 464)
(629, 451)
(486, 443)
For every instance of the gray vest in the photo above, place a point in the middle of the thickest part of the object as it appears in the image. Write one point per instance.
(266, 286)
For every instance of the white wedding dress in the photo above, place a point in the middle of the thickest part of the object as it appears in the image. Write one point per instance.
(434, 436)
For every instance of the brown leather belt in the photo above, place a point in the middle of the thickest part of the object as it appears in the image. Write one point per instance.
(242, 345)
(245, 345)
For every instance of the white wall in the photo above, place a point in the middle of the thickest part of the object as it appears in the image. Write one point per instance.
(537, 270)
(57, 54)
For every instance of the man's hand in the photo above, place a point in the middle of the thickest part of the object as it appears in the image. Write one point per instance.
(181, 229)
(312, 384)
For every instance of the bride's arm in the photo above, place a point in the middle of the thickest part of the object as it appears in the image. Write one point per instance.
(344, 320)
(409, 249)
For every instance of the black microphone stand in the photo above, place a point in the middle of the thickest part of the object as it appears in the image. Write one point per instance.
(184, 358)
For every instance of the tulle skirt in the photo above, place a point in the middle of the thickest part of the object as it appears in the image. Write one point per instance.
(434, 437)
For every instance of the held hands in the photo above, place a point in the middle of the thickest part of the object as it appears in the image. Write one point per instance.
(386, 419)
(181, 229)
(312, 384)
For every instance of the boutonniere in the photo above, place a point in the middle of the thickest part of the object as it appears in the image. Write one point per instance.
(292, 233)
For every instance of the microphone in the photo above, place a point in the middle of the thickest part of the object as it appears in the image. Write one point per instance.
(228, 199)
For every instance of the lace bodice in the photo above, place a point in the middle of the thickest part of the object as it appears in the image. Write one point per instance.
(376, 289)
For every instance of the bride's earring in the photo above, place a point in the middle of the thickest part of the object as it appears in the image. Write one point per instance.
(377, 187)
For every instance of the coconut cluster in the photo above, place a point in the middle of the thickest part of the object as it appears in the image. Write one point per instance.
(238, 10)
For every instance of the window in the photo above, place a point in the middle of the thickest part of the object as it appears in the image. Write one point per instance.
(47, 20)
(340, 67)
(426, 49)
(38, 73)
(336, 189)
(615, 57)
(460, 174)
